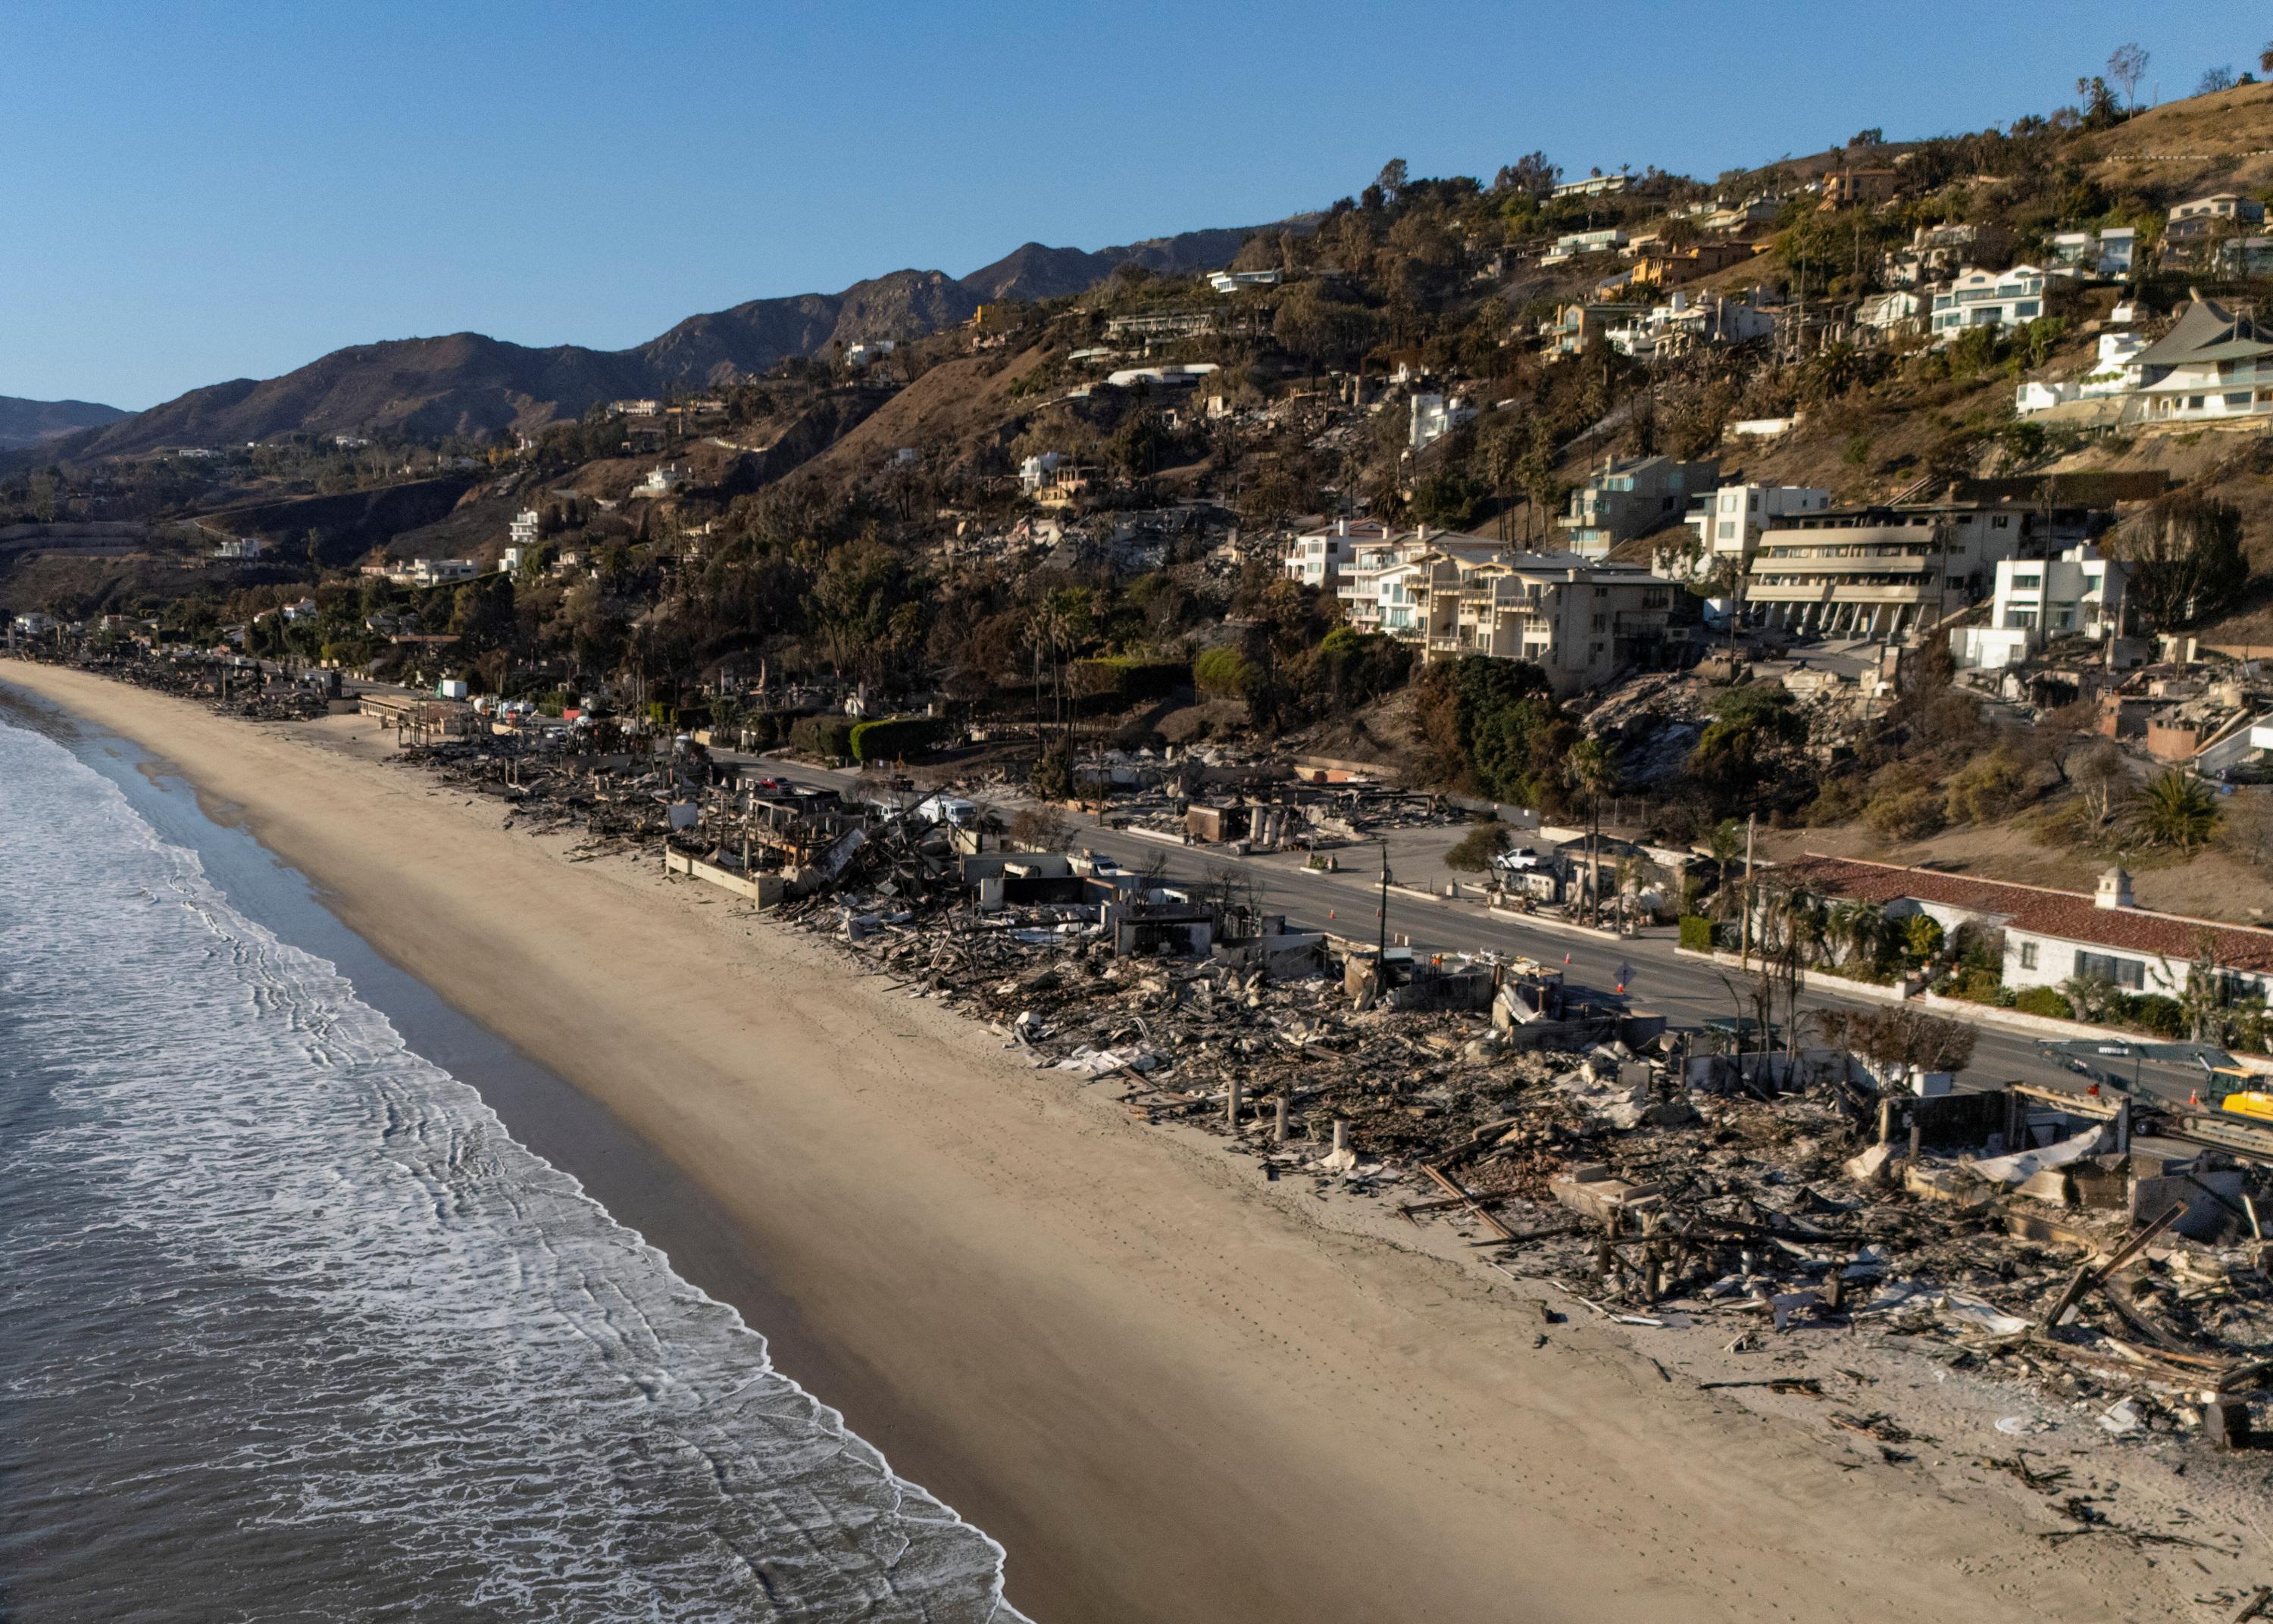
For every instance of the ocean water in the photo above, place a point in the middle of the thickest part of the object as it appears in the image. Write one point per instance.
(292, 1328)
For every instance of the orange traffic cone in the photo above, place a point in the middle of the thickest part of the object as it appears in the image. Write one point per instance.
(1566, 958)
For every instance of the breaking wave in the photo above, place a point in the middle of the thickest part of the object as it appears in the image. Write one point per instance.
(293, 1328)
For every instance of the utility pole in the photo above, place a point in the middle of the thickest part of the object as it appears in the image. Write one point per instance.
(1380, 913)
(1752, 828)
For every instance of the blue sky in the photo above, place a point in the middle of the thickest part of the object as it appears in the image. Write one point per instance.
(197, 193)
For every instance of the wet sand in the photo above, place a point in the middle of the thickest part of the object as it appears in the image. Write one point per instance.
(1170, 1391)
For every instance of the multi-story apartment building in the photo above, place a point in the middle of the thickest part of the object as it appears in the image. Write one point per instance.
(1727, 523)
(1631, 497)
(1890, 572)
(1580, 621)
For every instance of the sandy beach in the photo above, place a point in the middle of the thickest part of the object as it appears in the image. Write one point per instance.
(1171, 1392)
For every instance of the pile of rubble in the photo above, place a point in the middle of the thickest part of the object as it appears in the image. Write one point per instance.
(243, 690)
(1571, 1142)
(1653, 1184)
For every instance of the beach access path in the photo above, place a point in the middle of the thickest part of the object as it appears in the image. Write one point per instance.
(1171, 1392)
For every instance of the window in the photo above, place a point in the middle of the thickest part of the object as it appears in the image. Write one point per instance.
(2238, 402)
(2028, 955)
(2123, 972)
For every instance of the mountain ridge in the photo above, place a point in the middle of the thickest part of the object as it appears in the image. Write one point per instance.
(26, 424)
(469, 383)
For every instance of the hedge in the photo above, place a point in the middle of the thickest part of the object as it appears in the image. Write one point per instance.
(891, 738)
(828, 737)
(1696, 933)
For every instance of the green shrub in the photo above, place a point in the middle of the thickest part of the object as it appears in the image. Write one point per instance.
(891, 738)
(1472, 852)
(1921, 938)
(828, 737)
(2151, 1011)
(2048, 1001)
(1986, 790)
(1221, 672)
(1905, 814)
(1975, 985)
(1696, 933)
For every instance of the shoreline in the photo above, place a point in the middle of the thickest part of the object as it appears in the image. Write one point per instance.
(544, 1112)
(1166, 1394)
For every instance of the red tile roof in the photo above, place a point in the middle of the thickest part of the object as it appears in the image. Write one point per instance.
(2068, 914)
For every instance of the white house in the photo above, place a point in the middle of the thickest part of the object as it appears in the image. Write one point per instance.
(1233, 282)
(1988, 299)
(663, 479)
(2115, 371)
(2081, 253)
(1571, 245)
(2210, 365)
(1035, 471)
(241, 549)
(2078, 593)
(1436, 416)
(2041, 396)
(1681, 324)
(1316, 557)
(523, 530)
(2049, 936)
(868, 350)
(1591, 186)
(1727, 522)
(1897, 310)
(1162, 377)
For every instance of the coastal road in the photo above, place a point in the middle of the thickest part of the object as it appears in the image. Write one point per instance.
(1688, 991)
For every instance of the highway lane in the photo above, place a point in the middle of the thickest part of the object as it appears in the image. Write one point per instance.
(1688, 991)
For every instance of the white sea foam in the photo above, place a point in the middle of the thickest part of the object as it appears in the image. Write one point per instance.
(295, 1329)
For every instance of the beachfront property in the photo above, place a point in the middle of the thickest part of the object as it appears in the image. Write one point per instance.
(1581, 621)
(1727, 522)
(2051, 936)
(1890, 572)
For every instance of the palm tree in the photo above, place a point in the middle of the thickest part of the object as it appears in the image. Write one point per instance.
(1852, 929)
(1592, 773)
(2177, 811)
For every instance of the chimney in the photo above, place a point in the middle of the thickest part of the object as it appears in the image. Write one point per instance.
(2114, 890)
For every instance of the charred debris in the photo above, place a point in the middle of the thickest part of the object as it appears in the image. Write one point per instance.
(2091, 1243)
